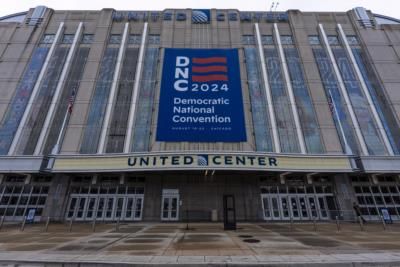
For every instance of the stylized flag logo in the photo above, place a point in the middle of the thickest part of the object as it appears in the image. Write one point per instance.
(202, 160)
(201, 16)
(209, 69)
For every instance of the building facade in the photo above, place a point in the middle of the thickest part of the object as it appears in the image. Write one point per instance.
(157, 115)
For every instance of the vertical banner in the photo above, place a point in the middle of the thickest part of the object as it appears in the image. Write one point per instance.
(201, 97)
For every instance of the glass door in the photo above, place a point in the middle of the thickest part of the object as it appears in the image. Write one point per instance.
(170, 208)
(128, 211)
(285, 208)
(323, 208)
(266, 208)
(100, 209)
(80, 208)
(294, 207)
(109, 209)
(138, 208)
(91, 208)
(304, 212)
(313, 207)
(119, 208)
(71, 207)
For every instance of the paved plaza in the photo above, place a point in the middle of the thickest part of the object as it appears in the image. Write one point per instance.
(140, 244)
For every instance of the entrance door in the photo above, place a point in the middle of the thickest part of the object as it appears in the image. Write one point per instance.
(170, 205)
(137, 216)
(294, 206)
(100, 208)
(91, 208)
(265, 200)
(285, 207)
(323, 210)
(304, 212)
(109, 208)
(313, 207)
(229, 212)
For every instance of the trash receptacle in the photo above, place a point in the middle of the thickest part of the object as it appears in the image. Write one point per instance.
(214, 215)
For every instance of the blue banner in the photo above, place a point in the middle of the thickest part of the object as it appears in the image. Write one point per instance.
(201, 97)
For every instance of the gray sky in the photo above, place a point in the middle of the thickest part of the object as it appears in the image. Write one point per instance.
(384, 7)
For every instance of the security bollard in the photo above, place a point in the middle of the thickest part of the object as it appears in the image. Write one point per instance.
(361, 223)
(337, 224)
(46, 228)
(383, 223)
(117, 226)
(315, 224)
(23, 224)
(2, 221)
(94, 225)
(70, 225)
(291, 224)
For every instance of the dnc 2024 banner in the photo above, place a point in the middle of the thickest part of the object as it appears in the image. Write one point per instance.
(201, 96)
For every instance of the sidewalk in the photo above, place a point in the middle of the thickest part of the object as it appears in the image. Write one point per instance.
(255, 244)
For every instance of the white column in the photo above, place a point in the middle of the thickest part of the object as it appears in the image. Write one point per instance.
(366, 91)
(113, 91)
(290, 91)
(343, 90)
(35, 91)
(57, 94)
(132, 110)
(267, 89)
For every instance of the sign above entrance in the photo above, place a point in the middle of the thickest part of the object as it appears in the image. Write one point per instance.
(180, 161)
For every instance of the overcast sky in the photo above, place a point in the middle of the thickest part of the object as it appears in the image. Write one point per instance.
(384, 7)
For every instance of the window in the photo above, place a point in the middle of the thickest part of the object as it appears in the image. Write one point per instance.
(267, 40)
(115, 39)
(333, 40)
(41, 179)
(258, 102)
(248, 40)
(15, 179)
(286, 39)
(314, 40)
(98, 104)
(110, 179)
(352, 40)
(87, 38)
(68, 39)
(141, 137)
(81, 179)
(154, 39)
(48, 39)
(135, 39)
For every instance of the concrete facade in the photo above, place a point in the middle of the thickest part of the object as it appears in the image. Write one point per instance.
(333, 79)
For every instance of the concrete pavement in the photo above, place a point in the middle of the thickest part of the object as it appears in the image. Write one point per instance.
(155, 244)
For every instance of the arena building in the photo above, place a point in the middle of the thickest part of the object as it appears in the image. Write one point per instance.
(193, 114)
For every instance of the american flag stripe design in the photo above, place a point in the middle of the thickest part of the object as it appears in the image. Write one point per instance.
(196, 69)
(209, 69)
(210, 78)
(209, 60)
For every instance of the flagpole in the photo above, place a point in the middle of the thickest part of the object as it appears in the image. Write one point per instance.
(71, 101)
(56, 147)
(336, 114)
